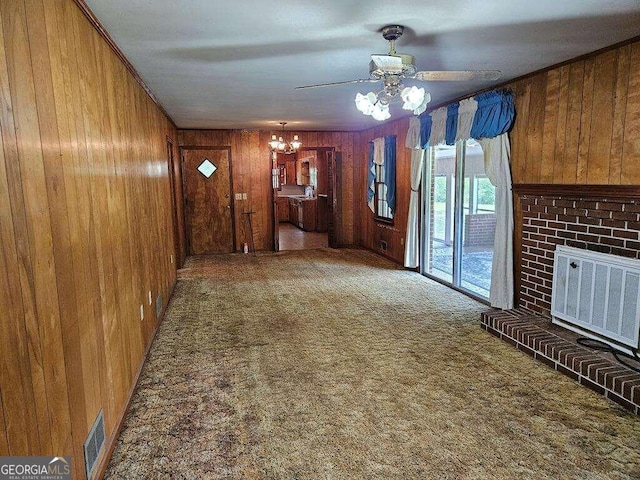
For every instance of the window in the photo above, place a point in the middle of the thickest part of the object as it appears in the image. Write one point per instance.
(382, 211)
(381, 194)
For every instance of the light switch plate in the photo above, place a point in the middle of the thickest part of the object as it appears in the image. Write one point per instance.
(244, 196)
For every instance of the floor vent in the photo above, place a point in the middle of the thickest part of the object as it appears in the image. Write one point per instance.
(93, 444)
(159, 305)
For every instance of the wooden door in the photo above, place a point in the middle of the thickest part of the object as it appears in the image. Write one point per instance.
(208, 200)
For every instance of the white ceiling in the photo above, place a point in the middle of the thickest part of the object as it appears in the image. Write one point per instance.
(215, 64)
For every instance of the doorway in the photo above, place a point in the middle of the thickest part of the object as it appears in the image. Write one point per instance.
(208, 196)
(304, 193)
(459, 218)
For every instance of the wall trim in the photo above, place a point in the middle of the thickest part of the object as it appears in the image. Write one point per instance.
(84, 8)
(578, 191)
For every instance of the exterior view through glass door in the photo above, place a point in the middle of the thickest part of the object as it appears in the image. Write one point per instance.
(458, 221)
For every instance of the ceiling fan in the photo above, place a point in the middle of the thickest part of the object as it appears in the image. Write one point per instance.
(394, 67)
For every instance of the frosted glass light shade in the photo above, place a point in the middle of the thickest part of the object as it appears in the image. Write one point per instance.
(295, 143)
(423, 106)
(366, 103)
(381, 112)
(412, 97)
(415, 99)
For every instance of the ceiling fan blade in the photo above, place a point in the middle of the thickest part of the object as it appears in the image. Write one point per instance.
(388, 63)
(457, 76)
(361, 80)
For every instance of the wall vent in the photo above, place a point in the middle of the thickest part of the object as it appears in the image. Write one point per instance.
(158, 306)
(93, 444)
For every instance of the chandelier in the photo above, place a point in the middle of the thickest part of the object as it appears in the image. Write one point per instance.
(377, 104)
(278, 144)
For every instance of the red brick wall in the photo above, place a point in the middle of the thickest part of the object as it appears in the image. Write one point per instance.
(479, 229)
(607, 226)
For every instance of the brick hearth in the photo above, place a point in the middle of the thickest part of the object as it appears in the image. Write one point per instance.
(557, 348)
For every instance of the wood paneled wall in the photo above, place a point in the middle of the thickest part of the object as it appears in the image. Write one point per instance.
(372, 232)
(580, 123)
(85, 228)
(251, 167)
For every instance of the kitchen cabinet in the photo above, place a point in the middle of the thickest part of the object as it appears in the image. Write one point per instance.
(303, 214)
(282, 205)
(309, 215)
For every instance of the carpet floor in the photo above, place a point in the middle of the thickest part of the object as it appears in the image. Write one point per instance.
(336, 364)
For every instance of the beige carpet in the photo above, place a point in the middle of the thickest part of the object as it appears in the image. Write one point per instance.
(338, 365)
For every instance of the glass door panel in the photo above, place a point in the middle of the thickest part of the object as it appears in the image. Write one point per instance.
(478, 223)
(440, 213)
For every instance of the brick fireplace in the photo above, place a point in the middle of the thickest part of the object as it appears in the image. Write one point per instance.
(600, 218)
(588, 218)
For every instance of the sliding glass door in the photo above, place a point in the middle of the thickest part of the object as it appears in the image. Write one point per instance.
(458, 221)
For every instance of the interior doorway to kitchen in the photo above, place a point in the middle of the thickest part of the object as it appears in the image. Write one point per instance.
(303, 199)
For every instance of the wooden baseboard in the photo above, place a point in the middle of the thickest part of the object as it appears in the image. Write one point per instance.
(113, 439)
(382, 254)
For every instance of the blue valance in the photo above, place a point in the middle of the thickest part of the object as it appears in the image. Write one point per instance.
(452, 123)
(494, 116)
(425, 130)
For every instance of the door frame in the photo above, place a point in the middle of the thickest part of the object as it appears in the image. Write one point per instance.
(332, 195)
(231, 194)
(174, 203)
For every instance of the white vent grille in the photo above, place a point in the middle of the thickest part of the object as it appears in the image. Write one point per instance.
(597, 293)
(93, 444)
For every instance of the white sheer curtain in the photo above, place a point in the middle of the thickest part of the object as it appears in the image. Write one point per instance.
(412, 245)
(496, 164)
